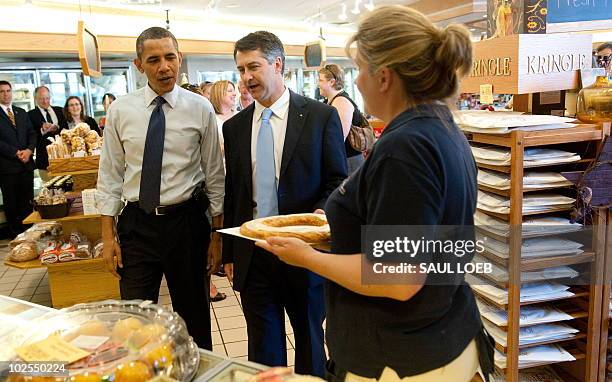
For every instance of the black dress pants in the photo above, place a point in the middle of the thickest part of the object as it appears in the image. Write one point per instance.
(272, 287)
(17, 194)
(173, 245)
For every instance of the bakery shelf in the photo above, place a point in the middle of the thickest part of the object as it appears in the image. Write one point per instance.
(506, 193)
(579, 133)
(578, 336)
(577, 294)
(532, 264)
(506, 239)
(34, 217)
(506, 217)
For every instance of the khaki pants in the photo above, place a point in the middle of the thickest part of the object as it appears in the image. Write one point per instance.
(461, 369)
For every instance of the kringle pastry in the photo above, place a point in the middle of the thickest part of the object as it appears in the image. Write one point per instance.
(312, 228)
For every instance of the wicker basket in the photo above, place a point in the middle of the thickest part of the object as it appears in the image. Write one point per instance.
(66, 165)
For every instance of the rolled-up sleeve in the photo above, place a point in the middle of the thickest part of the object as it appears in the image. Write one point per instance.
(112, 169)
(212, 163)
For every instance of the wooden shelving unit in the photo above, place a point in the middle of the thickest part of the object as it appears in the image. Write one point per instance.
(585, 305)
(604, 372)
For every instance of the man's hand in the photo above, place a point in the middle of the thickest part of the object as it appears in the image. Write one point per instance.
(229, 271)
(24, 155)
(46, 126)
(214, 253)
(112, 257)
(319, 211)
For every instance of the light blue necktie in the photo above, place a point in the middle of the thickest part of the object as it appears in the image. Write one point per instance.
(266, 199)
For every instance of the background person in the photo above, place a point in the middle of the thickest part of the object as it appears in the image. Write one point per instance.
(75, 114)
(47, 121)
(223, 99)
(420, 173)
(245, 97)
(107, 99)
(160, 145)
(205, 88)
(17, 143)
(331, 86)
(284, 154)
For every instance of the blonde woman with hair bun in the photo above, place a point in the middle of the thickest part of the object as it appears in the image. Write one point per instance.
(422, 326)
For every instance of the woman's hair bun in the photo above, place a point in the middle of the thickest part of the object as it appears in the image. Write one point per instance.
(455, 49)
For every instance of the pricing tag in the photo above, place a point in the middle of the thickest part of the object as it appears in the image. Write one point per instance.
(52, 348)
(486, 94)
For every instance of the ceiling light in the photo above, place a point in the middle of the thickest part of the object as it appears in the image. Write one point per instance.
(342, 16)
(233, 5)
(369, 6)
(356, 9)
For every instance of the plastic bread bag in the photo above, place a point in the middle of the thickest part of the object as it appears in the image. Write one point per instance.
(77, 237)
(97, 249)
(50, 252)
(67, 252)
(83, 250)
(24, 252)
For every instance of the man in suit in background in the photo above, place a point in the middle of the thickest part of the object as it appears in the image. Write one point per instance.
(47, 121)
(17, 143)
(284, 154)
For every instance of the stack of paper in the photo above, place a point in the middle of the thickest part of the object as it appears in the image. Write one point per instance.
(541, 291)
(533, 156)
(500, 274)
(531, 180)
(532, 248)
(533, 334)
(500, 122)
(531, 202)
(539, 374)
(547, 225)
(536, 355)
(530, 315)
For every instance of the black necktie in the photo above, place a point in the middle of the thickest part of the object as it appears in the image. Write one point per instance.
(150, 178)
(48, 116)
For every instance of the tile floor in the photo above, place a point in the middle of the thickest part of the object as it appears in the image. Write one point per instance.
(228, 326)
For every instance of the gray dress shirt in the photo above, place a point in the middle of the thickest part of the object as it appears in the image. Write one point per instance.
(191, 150)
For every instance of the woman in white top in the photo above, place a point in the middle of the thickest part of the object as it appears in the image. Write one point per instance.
(223, 99)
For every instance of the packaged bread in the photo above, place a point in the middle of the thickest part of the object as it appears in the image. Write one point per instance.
(66, 136)
(24, 252)
(83, 250)
(98, 249)
(78, 144)
(50, 253)
(81, 130)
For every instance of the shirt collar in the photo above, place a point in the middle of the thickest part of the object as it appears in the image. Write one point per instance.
(435, 109)
(170, 97)
(279, 108)
(6, 107)
(43, 110)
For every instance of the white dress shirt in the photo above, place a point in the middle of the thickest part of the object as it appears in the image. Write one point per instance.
(6, 107)
(54, 119)
(278, 121)
(191, 150)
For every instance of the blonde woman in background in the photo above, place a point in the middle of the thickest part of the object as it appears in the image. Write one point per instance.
(421, 172)
(331, 86)
(223, 99)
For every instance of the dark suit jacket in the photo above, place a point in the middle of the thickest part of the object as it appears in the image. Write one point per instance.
(313, 165)
(37, 118)
(13, 139)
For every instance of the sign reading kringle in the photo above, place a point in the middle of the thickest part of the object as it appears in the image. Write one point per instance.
(529, 63)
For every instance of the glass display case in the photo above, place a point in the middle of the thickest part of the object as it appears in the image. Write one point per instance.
(227, 75)
(215, 368)
(291, 80)
(23, 83)
(63, 84)
(309, 86)
(114, 81)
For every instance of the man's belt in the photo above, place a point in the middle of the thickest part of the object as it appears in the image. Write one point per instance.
(167, 210)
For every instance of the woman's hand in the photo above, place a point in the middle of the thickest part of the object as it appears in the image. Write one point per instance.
(290, 250)
(275, 374)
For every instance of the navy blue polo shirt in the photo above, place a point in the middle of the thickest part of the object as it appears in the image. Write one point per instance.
(420, 172)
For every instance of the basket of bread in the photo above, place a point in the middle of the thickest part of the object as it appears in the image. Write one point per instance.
(52, 203)
(75, 149)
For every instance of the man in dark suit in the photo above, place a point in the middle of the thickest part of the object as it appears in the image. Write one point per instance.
(47, 121)
(284, 154)
(17, 143)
